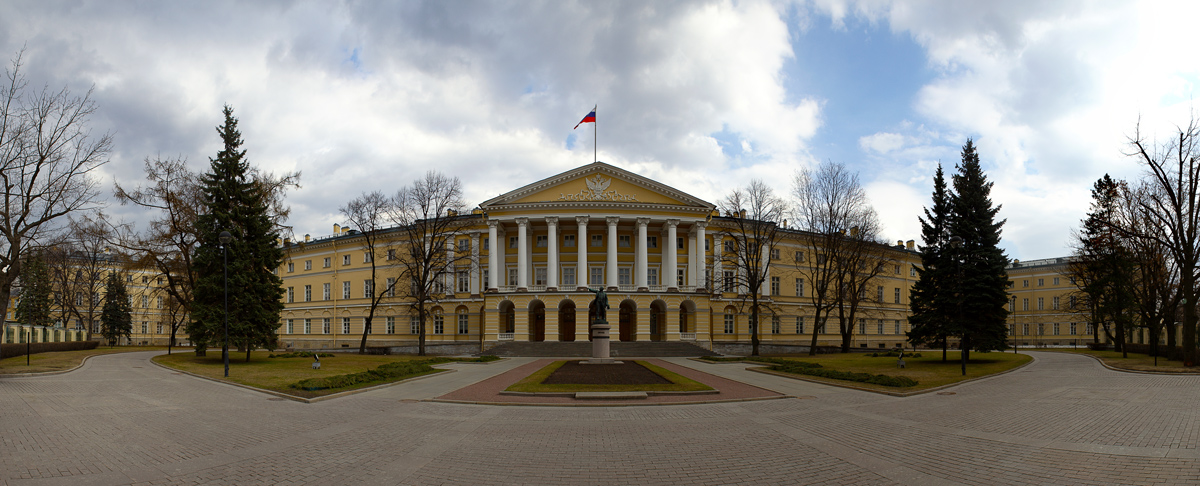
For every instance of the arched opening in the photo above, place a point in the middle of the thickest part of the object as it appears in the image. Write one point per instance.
(627, 327)
(537, 321)
(658, 320)
(687, 319)
(566, 321)
(508, 318)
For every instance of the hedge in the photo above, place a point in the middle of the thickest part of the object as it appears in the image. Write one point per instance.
(815, 369)
(18, 349)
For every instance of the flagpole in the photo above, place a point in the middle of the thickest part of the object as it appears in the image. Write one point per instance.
(595, 136)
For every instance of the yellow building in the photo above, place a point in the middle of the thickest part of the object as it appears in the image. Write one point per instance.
(1041, 305)
(535, 251)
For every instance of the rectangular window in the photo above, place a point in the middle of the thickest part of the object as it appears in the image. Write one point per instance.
(799, 287)
(879, 293)
(308, 326)
(623, 277)
(774, 324)
(346, 289)
(368, 257)
(568, 276)
(464, 245)
(290, 326)
(897, 267)
(368, 289)
(1073, 329)
(912, 271)
(1025, 283)
(729, 322)
(512, 277)
(1024, 304)
(439, 324)
(799, 256)
(325, 325)
(464, 281)
(799, 324)
(1041, 281)
(707, 244)
(325, 263)
(652, 276)
(487, 243)
(652, 242)
(541, 241)
(324, 291)
(727, 281)
(1041, 329)
(862, 326)
(597, 240)
(1056, 283)
(414, 325)
(624, 240)
(1040, 307)
(145, 327)
(774, 253)
(775, 285)
(512, 241)
(345, 325)
(597, 276)
(391, 286)
(539, 276)
(568, 241)
(1054, 303)
(879, 326)
(679, 243)
(897, 327)
(158, 302)
(1055, 328)
(391, 254)
(308, 264)
(391, 325)
(308, 293)
(291, 294)
(729, 246)
(1024, 329)
(1012, 304)
(1088, 329)
(896, 295)
(680, 277)
(345, 259)
(463, 323)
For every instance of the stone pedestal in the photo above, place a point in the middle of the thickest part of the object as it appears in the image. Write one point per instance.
(600, 351)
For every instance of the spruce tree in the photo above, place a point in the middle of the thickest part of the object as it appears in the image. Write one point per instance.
(116, 318)
(982, 281)
(34, 307)
(235, 203)
(930, 320)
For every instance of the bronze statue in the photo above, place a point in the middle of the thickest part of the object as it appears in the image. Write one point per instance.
(601, 301)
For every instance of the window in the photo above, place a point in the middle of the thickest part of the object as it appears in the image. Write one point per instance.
(1054, 303)
(308, 264)
(325, 263)
(1025, 283)
(652, 242)
(774, 324)
(1040, 307)
(539, 276)
(463, 322)
(487, 243)
(1024, 304)
(568, 241)
(345, 325)
(512, 241)
(896, 295)
(727, 281)
(897, 267)
(1041, 329)
(391, 286)
(1055, 328)
(623, 277)
(346, 289)
(862, 326)
(290, 326)
(799, 324)
(623, 241)
(391, 254)
(414, 325)
(1041, 281)
(159, 302)
(129, 278)
(464, 245)
(464, 281)
(680, 276)
(325, 325)
(774, 253)
(912, 271)
(368, 257)
(291, 267)
(775, 286)
(879, 326)
(597, 240)
(568, 276)
(679, 243)
(308, 326)
(879, 293)
(1056, 283)
(145, 301)
(799, 256)
(145, 279)
(391, 325)
(291, 294)
(652, 276)
(1073, 329)
(1012, 329)
(707, 245)
(897, 326)
(1088, 329)
(439, 324)
(512, 277)
(729, 322)
(728, 246)
(368, 289)
(1071, 279)
(799, 287)
(325, 291)
(1024, 329)
(145, 327)
(596, 277)
(1012, 304)
(308, 293)
(345, 259)
(541, 241)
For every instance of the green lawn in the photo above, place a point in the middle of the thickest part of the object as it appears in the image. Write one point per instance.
(65, 360)
(929, 371)
(1135, 361)
(277, 374)
(533, 383)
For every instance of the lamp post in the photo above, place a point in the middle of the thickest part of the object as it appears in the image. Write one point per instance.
(225, 237)
(956, 242)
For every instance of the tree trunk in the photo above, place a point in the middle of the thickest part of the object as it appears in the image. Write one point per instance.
(945, 347)
(754, 324)
(362, 345)
(1172, 340)
(817, 326)
(1188, 283)
(248, 349)
(421, 335)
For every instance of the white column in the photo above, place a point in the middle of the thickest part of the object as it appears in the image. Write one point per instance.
(495, 255)
(701, 255)
(474, 263)
(693, 264)
(612, 251)
(640, 259)
(552, 254)
(581, 267)
(669, 266)
(522, 254)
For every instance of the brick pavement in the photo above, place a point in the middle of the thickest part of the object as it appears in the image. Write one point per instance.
(1063, 419)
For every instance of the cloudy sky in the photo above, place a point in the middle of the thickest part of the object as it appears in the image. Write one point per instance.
(702, 96)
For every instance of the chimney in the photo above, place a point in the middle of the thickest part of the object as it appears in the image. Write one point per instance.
(742, 214)
(900, 243)
(337, 229)
(307, 238)
(910, 244)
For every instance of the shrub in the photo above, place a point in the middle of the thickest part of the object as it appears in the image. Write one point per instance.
(395, 370)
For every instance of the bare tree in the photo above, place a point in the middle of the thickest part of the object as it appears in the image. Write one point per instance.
(78, 266)
(840, 230)
(1173, 176)
(428, 216)
(749, 235)
(368, 214)
(47, 155)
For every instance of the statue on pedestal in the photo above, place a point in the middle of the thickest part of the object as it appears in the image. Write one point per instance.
(601, 301)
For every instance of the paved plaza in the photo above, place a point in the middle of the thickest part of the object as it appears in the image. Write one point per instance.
(1061, 420)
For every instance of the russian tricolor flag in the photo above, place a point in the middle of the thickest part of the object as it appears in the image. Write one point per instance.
(590, 118)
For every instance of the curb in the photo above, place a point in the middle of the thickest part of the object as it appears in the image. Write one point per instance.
(609, 404)
(59, 372)
(1140, 372)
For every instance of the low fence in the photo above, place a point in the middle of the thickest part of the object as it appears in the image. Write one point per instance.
(10, 350)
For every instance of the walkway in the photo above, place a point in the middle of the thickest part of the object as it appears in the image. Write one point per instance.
(1063, 419)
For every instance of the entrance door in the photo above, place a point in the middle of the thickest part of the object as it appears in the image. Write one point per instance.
(566, 323)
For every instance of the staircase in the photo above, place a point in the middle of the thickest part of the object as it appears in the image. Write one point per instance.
(583, 349)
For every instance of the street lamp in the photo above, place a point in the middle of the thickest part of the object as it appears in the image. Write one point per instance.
(956, 242)
(225, 237)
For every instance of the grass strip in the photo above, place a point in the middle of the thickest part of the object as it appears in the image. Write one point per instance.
(533, 382)
(815, 369)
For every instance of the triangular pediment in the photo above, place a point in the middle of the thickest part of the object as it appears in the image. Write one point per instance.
(597, 183)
